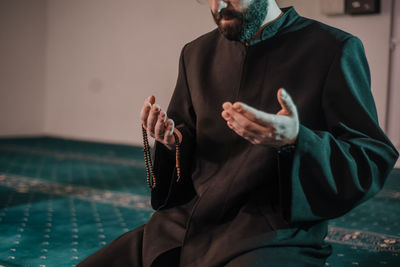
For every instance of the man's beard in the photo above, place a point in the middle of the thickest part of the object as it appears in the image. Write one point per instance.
(245, 24)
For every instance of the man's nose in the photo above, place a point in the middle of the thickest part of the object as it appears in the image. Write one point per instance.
(222, 4)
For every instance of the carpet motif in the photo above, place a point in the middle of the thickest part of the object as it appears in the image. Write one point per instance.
(61, 200)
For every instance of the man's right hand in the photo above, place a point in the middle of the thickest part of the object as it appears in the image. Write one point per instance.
(157, 123)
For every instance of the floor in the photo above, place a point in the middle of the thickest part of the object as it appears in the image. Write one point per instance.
(61, 200)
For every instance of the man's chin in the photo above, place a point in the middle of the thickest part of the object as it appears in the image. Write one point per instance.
(232, 36)
(230, 31)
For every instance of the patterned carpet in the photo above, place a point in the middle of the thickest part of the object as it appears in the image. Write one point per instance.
(61, 200)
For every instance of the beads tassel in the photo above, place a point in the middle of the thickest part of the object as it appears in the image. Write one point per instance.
(150, 176)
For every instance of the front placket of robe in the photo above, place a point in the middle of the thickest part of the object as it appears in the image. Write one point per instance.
(218, 191)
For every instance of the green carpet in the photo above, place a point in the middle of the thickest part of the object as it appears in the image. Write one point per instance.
(61, 200)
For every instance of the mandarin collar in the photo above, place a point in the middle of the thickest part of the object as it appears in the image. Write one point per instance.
(287, 19)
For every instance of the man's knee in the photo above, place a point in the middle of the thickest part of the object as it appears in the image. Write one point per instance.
(126, 250)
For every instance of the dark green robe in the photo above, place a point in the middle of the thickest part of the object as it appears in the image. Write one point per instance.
(239, 204)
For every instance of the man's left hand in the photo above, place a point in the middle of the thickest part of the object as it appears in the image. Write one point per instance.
(261, 128)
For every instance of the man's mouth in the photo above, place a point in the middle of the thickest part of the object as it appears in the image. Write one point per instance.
(227, 18)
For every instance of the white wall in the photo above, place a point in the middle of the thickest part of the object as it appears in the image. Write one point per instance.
(105, 57)
(374, 32)
(22, 46)
(99, 59)
(394, 108)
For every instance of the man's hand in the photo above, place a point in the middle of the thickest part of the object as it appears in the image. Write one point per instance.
(157, 123)
(261, 128)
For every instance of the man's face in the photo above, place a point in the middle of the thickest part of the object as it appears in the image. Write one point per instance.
(239, 20)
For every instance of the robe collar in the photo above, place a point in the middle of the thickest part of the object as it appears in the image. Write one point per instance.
(280, 25)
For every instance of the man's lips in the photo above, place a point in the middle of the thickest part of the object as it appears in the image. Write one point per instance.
(228, 18)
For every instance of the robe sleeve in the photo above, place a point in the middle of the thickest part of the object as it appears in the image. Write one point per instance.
(170, 192)
(331, 171)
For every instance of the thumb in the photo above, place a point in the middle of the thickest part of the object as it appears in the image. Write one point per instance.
(286, 102)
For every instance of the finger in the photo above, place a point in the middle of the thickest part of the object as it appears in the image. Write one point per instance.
(247, 130)
(245, 124)
(234, 128)
(225, 114)
(227, 105)
(144, 113)
(257, 116)
(286, 102)
(255, 140)
(168, 134)
(256, 135)
(159, 129)
(252, 139)
(152, 119)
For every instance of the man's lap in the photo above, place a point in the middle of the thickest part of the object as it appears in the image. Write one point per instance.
(126, 250)
(281, 257)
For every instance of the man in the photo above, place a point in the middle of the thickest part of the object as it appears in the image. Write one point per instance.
(261, 169)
